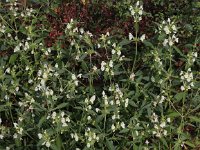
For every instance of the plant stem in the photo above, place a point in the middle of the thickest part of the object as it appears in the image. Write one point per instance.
(136, 44)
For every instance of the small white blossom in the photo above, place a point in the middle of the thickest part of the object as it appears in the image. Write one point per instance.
(130, 36)
(142, 38)
(122, 125)
(92, 99)
(40, 135)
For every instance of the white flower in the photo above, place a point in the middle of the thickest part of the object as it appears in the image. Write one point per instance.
(113, 51)
(92, 99)
(103, 66)
(165, 42)
(107, 34)
(48, 144)
(73, 77)
(170, 42)
(7, 148)
(94, 68)
(182, 88)
(163, 124)
(79, 75)
(138, 3)
(114, 45)
(67, 119)
(15, 136)
(97, 110)
(88, 145)
(113, 117)
(130, 36)
(126, 102)
(166, 29)
(7, 70)
(69, 26)
(195, 54)
(132, 12)
(111, 63)
(122, 125)
(132, 76)
(89, 118)
(174, 27)
(81, 30)
(53, 115)
(165, 132)
(137, 133)
(76, 137)
(168, 120)
(17, 48)
(140, 12)
(147, 142)
(113, 127)
(76, 83)
(119, 53)
(45, 75)
(39, 73)
(40, 135)
(142, 38)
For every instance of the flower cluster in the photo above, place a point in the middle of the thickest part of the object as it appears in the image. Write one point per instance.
(187, 79)
(45, 137)
(43, 75)
(137, 11)
(18, 129)
(170, 30)
(108, 67)
(118, 95)
(2, 28)
(3, 130)
(159, 100)
(158, 65)
(117, 126)
(74, 136)
(131, 37)
(59, 118)
(90, 102)
(75, 80)
(116, 52)
(192, 56)
(91, 137)
(28, 12)
(159, 126)
(28, 103)
(14, 8)
(23, 45)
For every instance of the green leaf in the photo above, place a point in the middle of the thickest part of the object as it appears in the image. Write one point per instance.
(13, 58)
(178, 51)
(189, 27)
(195, 119)
(60, 106)
(42, 120)
(110, 145)
(173, 114)
(125, 42)
(59, 142)
(164, 142)
(179, 96)
(190, 144)
(148, 44)
(124, 130)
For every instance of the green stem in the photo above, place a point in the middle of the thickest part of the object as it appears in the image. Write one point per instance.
(90, 80)
(136, 44)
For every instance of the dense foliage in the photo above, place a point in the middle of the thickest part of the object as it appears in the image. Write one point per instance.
(99, 74)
